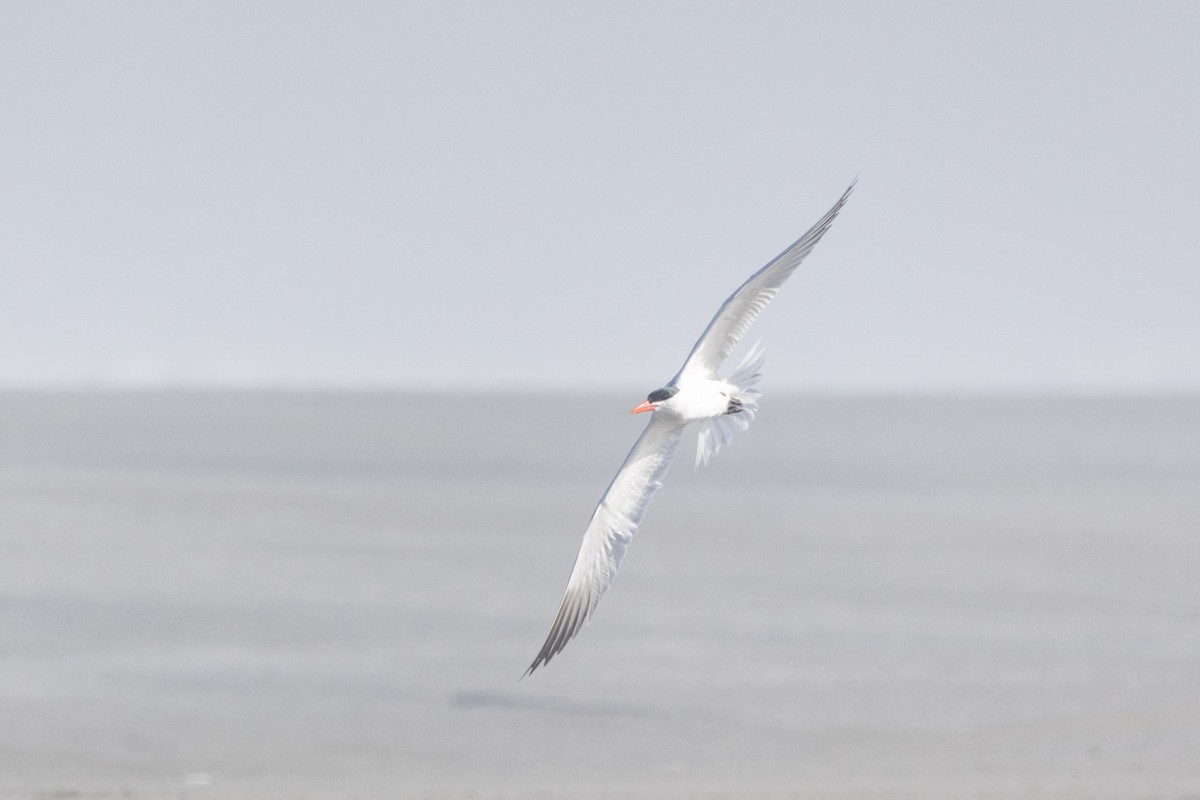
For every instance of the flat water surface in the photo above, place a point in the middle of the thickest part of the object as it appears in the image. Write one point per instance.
(289, 595)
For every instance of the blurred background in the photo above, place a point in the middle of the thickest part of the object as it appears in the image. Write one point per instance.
(319, 331)
(525, 196)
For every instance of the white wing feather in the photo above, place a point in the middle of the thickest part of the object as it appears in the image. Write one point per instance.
(744, 305)
(613, 525)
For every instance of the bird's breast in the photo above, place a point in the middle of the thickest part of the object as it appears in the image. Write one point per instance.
(700, 400)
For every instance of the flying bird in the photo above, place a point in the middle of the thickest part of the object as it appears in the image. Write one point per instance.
(697, 393)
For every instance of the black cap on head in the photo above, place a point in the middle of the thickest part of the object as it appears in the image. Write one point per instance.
(665, 393)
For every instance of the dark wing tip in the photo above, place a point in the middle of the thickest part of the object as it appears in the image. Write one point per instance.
(572, 614)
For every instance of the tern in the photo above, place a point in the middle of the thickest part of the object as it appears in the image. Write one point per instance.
(698, 394)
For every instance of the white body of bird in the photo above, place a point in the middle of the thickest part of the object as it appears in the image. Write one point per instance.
(698, 399)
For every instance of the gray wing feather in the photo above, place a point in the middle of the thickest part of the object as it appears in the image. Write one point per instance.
(612, 526)
(743, 306)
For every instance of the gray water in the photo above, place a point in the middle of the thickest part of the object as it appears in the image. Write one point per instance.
(239, 595)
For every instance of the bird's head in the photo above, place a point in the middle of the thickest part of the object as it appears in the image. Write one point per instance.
(655, 399)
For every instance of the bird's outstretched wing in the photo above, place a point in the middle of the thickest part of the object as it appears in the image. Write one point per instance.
(613, 524)
(736, 314)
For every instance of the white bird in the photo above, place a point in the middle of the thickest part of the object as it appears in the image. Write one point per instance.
(695, 394)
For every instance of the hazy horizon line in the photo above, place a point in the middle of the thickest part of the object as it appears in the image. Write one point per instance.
(481, 390)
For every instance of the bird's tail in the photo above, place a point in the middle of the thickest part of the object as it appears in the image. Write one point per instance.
(718, 432)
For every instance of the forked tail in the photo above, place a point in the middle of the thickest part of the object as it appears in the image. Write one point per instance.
(718, 432)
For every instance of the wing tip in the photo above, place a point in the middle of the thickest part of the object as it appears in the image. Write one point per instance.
(573, 613)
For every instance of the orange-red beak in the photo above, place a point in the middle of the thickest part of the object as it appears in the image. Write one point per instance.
(645, 405)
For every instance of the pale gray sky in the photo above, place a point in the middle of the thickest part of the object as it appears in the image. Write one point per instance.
(560, 195)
